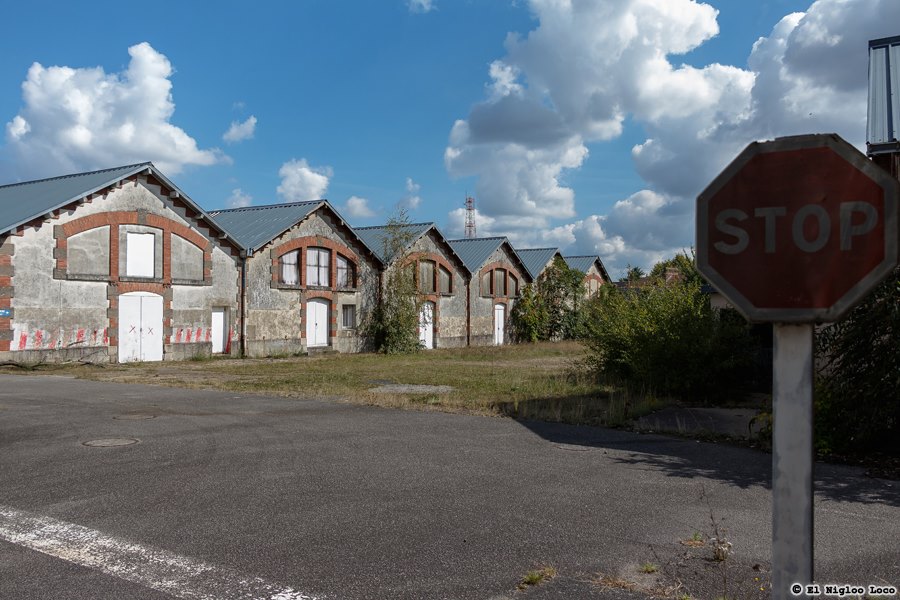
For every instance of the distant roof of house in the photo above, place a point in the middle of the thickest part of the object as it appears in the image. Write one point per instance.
(474, 252)
(256, 226)
(23, 202)
(536, 259)
(375, 236)
(583, 264)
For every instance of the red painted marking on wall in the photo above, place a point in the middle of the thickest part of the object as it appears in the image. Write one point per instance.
(38, 338)
(228, 343)
(209, 334)
(105, 337)
(197, 335)
(187, 338)
(79, 337)
(23, 339)
(178, 336)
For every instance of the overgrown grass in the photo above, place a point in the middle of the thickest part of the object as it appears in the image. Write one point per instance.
(543, 381)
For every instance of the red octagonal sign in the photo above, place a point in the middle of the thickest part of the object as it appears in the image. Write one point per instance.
(798, 229)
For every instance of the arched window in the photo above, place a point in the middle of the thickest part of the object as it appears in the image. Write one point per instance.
(317, 264)
(346, 278)
(426, 276)
(446, 281)
(290, 268)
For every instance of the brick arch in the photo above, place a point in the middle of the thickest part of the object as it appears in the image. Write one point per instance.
(510, 270)
(439, 261)
(114, 219)
(302, 244)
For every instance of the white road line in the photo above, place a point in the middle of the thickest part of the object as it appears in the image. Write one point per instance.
(178, 576)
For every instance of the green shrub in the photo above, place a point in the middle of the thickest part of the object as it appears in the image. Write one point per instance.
(551, 308)
(857, 398)
(666, 338)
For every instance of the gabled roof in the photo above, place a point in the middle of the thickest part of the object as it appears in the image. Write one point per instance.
(375, 236)
(474, 252)
(26, 201)
(256, 226)
(23, 202)
(537, 259)
(583, 264)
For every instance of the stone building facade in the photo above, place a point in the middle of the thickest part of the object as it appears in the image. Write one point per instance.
(498, 276)
(310, 281)
(114, 265)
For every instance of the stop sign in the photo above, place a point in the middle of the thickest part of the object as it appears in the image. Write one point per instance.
(798, 229)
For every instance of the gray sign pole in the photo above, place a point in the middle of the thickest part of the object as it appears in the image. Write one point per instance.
(792, 459)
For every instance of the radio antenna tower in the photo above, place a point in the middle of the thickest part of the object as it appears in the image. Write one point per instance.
(470, 217)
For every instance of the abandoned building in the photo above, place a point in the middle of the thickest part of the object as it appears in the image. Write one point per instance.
(536, 260)
(309, 279)
(440, 274)
(595, 274)
(113, 265)
(498, 276)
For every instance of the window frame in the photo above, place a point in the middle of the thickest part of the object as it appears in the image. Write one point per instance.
(316, 267)
(344, 312)
(344, 265)
(284, 264)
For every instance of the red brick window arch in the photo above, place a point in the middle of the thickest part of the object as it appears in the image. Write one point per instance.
(499, 281)
(314, 262)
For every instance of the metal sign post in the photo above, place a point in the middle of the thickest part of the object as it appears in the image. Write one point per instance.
(793, 232)
(792, 458)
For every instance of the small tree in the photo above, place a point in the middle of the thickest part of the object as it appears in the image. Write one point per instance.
(549, 309)
(392, 326)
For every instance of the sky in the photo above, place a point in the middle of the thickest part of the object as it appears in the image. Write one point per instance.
(588, 125)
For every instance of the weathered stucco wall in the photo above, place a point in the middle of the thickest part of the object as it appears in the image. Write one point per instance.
(60, 308)
(450, 318)
(482, 305)
(276, 313)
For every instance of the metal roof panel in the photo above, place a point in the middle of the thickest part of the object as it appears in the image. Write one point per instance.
(374, 237)
(536, 259)
(256, 226)
(474, 252)
(26, 201)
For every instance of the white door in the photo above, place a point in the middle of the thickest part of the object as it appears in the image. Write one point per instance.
(218, 329)
(499, 324)
(317, 323)
(140, 327)
(426, 325)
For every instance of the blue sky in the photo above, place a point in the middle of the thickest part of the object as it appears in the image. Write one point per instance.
(535, 107)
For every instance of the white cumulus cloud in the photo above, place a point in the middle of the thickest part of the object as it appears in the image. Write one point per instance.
(358, 208)
(240, 131)
(572, 82)
(77, 119)
(420, 6)
(300, 182)
(412, 200)
(238, 199)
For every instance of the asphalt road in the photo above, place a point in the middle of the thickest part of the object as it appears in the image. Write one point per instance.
(239, 496)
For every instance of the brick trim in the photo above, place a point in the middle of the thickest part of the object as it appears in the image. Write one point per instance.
(302, 244)
(510, 270)
(114, 219)
(439, 261)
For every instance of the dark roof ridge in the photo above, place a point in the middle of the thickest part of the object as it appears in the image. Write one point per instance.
(264, 206)
(423, 223)
(141, 164)
(492, 237)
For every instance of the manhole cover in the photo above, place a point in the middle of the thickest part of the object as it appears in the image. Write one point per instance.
(134, 417)
(110, 442)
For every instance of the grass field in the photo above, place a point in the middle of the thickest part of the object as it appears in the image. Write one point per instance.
(540, 381)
